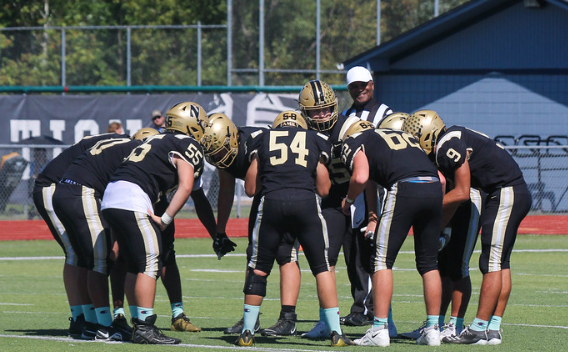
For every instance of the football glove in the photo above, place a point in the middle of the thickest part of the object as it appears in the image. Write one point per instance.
(444, 238)
(223, 245)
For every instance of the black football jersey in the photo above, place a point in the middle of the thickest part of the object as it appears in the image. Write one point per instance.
(95, 167)
(53, 172)
(393, 156)
(491, 166)
(288, 158)
(247, 136)
(151, 167)
(338, 172)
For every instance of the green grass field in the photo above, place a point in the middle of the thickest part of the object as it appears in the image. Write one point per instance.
(34, 311)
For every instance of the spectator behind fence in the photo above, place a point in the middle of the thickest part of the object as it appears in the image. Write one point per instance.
(158, 120)
(115, 127)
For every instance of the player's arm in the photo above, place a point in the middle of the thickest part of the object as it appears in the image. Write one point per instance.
(204, 211)
(371, 197)
(459, 194)
(225, 199)
(323, 182)
(358, 180)
(252, 179)
(185, 185)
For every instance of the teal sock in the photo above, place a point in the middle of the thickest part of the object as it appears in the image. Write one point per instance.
(177, 309)
(478, 325)
(459, 324)
(322, 314)
(133, 311)
(143, 313)
(390, 321)
(432, 320)
(118, 311)
(76, 311)
(332, 319)
(103, 316)
(249, 317)
(441, 320)
(379, 322)
(495, 323)
(89, 312)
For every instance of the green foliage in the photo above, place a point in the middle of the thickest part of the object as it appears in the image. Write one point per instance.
(169, 56)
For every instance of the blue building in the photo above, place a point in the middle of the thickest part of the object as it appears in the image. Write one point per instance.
(496, 66)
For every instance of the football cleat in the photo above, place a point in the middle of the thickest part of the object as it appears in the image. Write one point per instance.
(355, 319)
(182, 323)
(246, 339)
(494, 337)
(111, 333)
(375, 337)
(469, 337)
(285, 326)
(340, 340)
(145, 332)
(239, 325)
(429, 336)
(89, 331)
(448, 330)
(76, 326)
(414, 335)
(319, 331)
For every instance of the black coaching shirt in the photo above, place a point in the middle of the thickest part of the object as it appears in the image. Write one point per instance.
(288, 159)
(151, 166)
(54, 171)
(491, 166)
(393, 156)
(247, 136)
(95, 167)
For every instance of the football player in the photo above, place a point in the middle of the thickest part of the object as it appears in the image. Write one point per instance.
(318, 105)
(225, 147)
(472, 160)
(74, 276)
(395, 161)
(164, 162)
(76, 202)
(288, 172)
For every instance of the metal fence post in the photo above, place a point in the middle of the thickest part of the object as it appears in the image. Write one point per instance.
(63, 78)
(318, 41)
(128, 57)
(198, 53)
(229, 40)
(261, 43)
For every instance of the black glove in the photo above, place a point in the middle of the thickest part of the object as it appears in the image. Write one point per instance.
(223, 245)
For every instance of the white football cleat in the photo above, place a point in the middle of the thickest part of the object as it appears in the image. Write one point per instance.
(375, 337)
(430, 336)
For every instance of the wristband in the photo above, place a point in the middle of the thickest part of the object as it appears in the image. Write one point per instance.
(348, 200)
(166, 219)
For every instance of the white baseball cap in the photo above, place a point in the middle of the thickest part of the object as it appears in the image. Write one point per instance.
(358, 74)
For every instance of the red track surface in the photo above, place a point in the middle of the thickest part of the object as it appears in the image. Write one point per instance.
(192, 228)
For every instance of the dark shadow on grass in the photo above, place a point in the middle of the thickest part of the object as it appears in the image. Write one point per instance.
(42, 332)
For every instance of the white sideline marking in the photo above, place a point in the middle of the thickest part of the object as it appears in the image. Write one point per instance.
(70, 340)
(551, 250)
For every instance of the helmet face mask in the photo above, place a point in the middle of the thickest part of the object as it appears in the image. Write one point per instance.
(315, 96)
(144, 133)
(290, 118)
(427, 127)
(394, 121)
(188, 118)
(220, 141)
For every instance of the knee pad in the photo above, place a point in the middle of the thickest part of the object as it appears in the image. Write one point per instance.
(255, 284)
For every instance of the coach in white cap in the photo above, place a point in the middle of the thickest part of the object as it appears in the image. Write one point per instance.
(361, 88)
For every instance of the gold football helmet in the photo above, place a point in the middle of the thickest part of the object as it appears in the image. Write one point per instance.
(144, 133)
(188, 118)
(290, 118)
(394, 121)
(356, 128)
(317, 95)
(220, 141)
(426, 126)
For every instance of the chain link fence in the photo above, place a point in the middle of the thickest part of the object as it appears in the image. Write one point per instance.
(544, 168)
